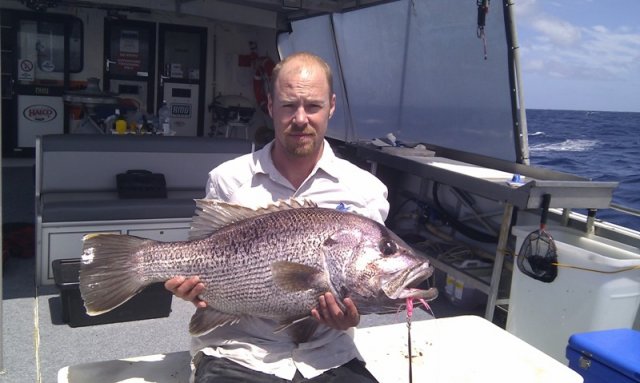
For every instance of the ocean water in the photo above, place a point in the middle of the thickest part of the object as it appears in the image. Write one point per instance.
(601, 146)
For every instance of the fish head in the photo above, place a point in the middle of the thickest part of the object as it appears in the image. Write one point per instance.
(380, 271)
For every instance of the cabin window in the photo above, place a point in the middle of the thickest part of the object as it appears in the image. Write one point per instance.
(44, 40)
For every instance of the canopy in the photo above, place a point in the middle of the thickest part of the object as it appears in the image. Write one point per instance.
(417, 69)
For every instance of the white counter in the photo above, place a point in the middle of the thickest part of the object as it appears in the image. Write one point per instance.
(449, 350)
(457, 350)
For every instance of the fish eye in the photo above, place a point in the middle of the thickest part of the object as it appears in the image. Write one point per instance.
(388, 247)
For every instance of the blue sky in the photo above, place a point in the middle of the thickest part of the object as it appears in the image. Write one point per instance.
(580, 54)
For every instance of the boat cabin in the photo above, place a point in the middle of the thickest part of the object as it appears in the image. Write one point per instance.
(429, 98)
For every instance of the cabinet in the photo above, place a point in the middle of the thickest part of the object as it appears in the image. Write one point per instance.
(64, 240)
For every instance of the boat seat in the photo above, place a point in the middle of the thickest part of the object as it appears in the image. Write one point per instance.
(76, 189)
(106, 206)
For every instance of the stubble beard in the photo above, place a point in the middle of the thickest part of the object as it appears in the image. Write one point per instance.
(302, 149)
(309, 145)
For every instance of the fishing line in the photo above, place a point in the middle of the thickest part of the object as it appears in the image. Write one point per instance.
(596, 271)
(409, 314)
(569, 266)
(409, 308)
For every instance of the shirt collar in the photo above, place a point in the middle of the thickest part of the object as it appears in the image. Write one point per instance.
(264, 163)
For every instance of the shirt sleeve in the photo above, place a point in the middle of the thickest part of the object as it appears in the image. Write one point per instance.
(213, 188)
(377, 204)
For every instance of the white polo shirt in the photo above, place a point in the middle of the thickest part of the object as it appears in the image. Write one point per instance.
(252, 180)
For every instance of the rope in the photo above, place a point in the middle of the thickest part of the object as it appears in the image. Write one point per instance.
(596, 271)
(483, 9)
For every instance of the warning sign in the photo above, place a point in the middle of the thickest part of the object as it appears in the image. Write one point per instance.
(25, 70)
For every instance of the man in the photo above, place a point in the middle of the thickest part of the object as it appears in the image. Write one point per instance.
(298, 163)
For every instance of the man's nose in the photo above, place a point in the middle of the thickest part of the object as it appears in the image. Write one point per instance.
(300, 116)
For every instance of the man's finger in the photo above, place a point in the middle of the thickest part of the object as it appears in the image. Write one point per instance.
(352, 311)
(173, 283)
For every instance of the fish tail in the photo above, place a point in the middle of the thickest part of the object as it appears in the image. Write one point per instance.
(110, 273)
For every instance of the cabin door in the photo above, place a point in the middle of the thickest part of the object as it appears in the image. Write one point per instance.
(181, 77)
(129, 63)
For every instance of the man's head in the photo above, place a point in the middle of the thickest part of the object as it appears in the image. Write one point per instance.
(301, 103)
(309, 58)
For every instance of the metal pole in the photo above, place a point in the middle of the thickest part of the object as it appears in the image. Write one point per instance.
(403, 76)
(1, 250)
(498, 262)
(524, 139)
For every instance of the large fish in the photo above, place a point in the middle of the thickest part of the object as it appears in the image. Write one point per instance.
(271, 263)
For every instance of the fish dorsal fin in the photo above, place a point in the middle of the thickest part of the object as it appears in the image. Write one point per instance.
(207, 319)
(213, 214)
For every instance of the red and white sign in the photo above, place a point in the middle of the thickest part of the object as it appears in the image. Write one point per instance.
(129, 57)
(38, 115)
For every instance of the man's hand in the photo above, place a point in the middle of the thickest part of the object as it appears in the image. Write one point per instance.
(330, 314)
(187, 288)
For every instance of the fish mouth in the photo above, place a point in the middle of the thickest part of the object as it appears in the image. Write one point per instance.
(407, 284)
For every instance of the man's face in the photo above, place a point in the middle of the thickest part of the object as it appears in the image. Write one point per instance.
(301, 107)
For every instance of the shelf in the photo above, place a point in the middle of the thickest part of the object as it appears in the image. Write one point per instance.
(474, 278)
(567, 191)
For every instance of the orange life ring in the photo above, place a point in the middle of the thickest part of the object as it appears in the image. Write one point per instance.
(262, 81)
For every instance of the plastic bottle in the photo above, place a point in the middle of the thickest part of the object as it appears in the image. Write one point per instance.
(145, 127)
(121, 123)
(109, 124)
(164, 116)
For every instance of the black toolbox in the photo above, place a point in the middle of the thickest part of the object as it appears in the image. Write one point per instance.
(152, 302)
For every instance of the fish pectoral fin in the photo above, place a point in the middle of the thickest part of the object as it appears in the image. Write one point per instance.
(300, 330)
(292, 276)
(206, 319)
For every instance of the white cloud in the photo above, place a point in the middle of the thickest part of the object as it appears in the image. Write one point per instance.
(533, 65)
(557, 31)
(561, 49)
(525, 8)
(600, 29)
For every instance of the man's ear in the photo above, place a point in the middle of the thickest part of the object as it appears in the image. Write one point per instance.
(332, 107)
(270, 105)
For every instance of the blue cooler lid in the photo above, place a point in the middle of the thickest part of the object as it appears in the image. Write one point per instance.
(618, 349)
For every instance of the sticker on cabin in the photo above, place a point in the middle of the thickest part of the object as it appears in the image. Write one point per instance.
(129, 41)
(39, 113)
(181, 110)
(25, 70)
